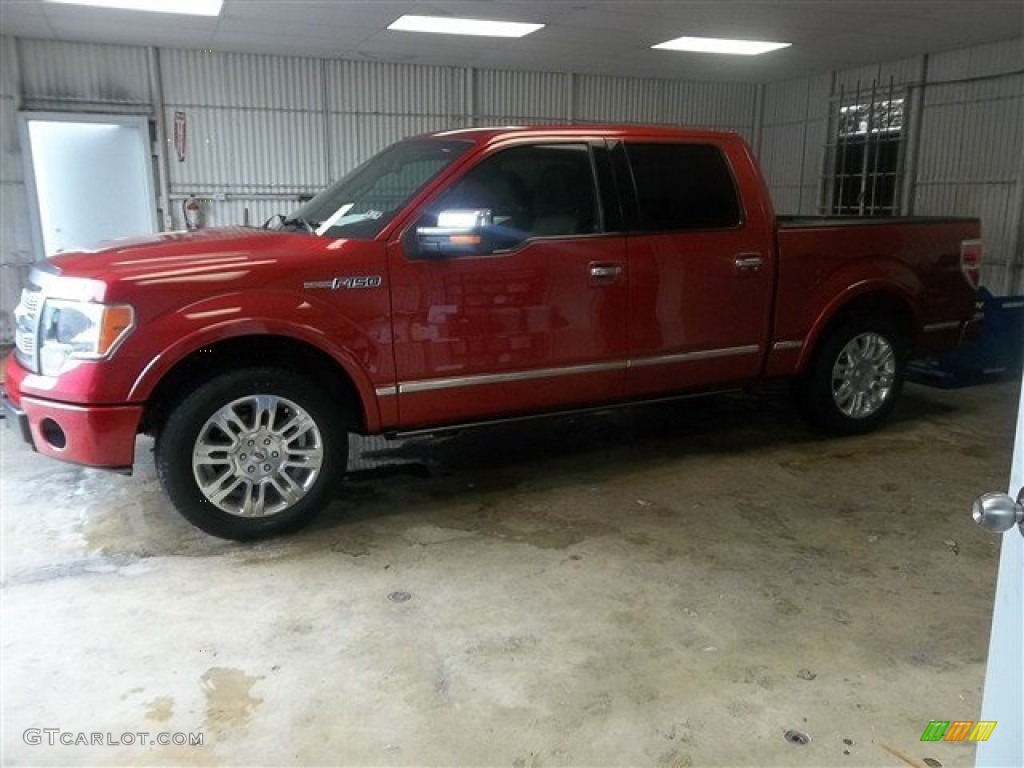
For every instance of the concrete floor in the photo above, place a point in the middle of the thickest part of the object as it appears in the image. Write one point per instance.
(669, 586)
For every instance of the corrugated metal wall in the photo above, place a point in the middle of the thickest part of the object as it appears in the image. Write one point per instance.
(966, 118)
(255, 133)
(723, 106)
(264, 129)
(515, 98)
(15, 237)
(795, 116)
(83, 76)
(984, 119)
(372, 104)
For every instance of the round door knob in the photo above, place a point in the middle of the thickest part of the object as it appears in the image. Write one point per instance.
(997, 512)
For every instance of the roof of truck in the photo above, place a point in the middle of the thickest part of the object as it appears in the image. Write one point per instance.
(500, 133)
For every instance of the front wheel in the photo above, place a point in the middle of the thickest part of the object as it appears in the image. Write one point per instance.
(252, 453)
(855, 377)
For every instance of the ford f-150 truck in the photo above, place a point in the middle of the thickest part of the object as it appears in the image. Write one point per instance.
(464, 277)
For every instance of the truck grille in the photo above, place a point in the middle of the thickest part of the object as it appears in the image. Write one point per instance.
(26, 328)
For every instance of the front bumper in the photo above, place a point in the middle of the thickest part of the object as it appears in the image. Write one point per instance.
(96, 436)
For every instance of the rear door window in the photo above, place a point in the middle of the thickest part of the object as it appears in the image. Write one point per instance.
(683, 187)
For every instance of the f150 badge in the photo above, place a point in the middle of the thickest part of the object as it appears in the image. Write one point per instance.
(350, 282)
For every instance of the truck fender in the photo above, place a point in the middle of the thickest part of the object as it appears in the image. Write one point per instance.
(903, 291)
(276, 316)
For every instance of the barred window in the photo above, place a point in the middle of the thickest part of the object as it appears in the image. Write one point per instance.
(864, 156)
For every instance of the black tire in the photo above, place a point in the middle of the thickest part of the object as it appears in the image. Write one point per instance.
(288, 400)
(819, 390)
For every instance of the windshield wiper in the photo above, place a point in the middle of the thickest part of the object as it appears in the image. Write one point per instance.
(309, 226)
(280, 221)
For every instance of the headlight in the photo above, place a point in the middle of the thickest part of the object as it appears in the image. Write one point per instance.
(79, 330)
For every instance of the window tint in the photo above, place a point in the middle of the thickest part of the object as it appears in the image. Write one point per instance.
(683, 186)
(532, 191)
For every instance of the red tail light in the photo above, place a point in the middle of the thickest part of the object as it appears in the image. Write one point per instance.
(970, 261)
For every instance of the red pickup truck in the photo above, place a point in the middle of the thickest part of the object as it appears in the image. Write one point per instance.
(460, 278)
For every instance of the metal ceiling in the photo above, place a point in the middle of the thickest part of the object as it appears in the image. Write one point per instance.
(596, 36)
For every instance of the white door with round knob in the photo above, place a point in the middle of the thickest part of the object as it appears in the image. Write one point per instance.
(1003, 701)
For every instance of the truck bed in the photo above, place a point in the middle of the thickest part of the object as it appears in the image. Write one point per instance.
(822, 259)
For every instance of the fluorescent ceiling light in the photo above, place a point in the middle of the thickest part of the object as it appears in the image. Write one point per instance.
(445, 25)
(189, 7)
(719, 45)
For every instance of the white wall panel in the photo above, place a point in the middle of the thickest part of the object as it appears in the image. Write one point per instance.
(241, 80)
(372, 87)
(520, 97)
(979, 61)
(726, 106)
(255, 150)
(901, 71)
(9, 85)
(972, 139)
(15, 237)
(601, 98)
(12, 278)
(795, 123)
(15, 234)
(11, 168)
(80, 75)
(786, 102)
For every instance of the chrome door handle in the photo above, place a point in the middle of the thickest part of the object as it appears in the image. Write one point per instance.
(748, 262)
(998, 512)
(604, 270)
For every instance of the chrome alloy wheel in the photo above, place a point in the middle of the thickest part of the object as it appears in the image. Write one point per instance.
(863, 375)
(257, 456)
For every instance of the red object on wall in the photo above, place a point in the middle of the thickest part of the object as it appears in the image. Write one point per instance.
(179, 135)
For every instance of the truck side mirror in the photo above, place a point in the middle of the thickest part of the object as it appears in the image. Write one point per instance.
(459, 232)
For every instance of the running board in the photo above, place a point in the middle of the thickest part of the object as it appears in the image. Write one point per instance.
(446, 428)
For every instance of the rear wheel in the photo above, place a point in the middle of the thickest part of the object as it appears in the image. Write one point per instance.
(252, 453)
(855, 377)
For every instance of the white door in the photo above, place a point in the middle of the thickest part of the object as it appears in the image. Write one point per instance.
(1003, 700)
(90, 177)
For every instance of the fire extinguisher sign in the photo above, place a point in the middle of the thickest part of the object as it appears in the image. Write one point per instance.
(179, 135)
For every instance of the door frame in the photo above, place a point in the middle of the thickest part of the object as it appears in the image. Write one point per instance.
(140, 122)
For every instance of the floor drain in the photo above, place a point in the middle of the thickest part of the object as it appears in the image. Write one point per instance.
(797, 737)
(399, 597)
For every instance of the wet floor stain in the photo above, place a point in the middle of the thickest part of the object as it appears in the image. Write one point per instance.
(522, 521)
(229, 700)
(160, 709)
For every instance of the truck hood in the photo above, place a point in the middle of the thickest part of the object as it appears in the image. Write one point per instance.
(207, 255)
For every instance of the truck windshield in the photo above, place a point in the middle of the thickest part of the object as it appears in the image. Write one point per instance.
(361, 204)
